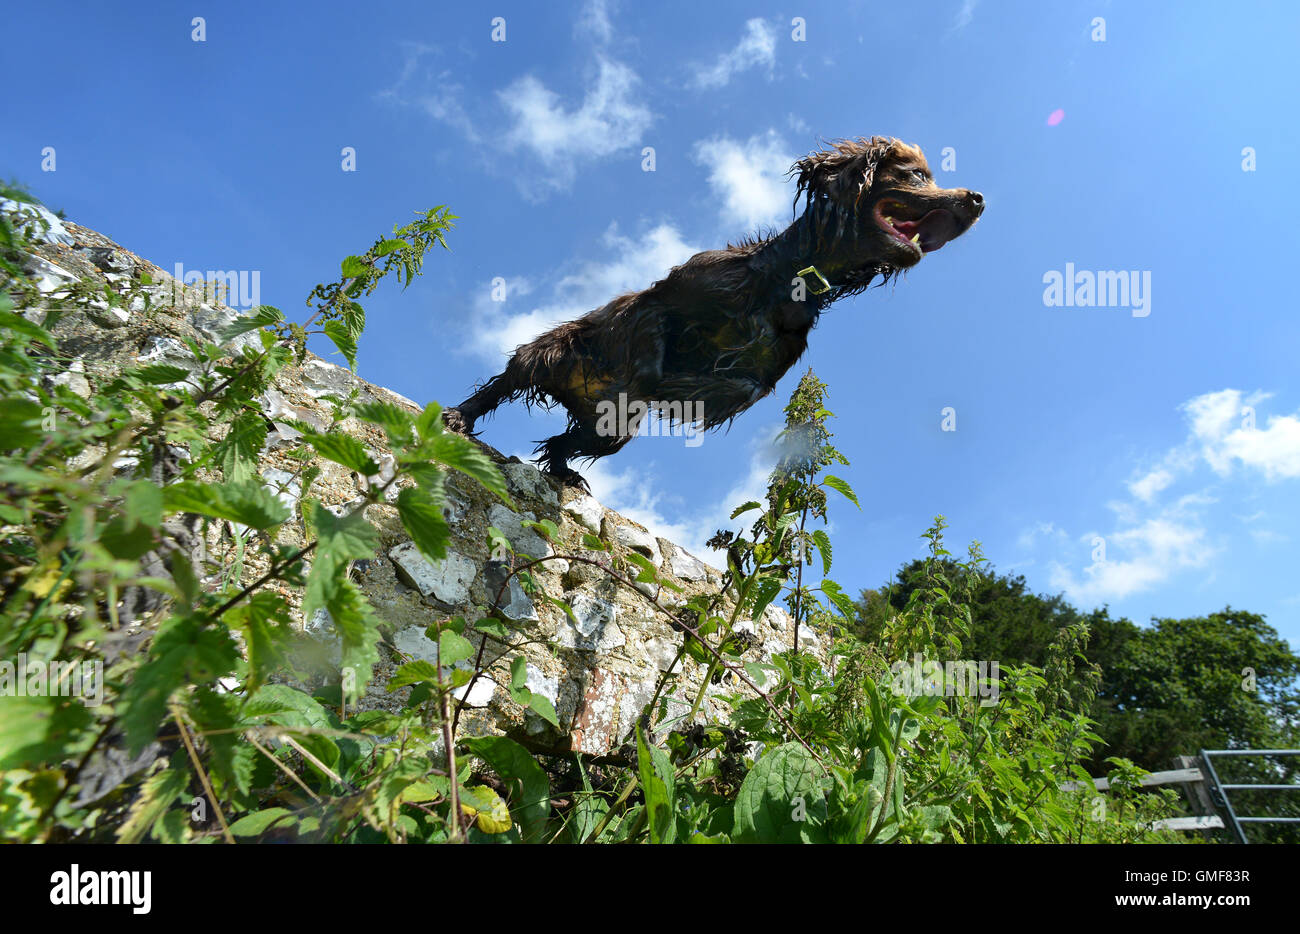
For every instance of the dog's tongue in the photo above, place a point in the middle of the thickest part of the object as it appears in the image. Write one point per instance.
(936, 229)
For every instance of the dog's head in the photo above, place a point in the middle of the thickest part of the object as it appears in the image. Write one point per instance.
(896, 213)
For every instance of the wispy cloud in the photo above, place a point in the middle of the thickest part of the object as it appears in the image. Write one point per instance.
(564, 137)
(965, 14)
(749, 178)
(1137, 558)
(1155, 538)
(594, 20)
(756, 49)
(627, 264)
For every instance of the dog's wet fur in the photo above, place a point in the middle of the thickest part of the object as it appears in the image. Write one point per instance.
(722, 328)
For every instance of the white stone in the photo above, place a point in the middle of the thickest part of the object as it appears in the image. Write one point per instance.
(52, 231)
(587, 511)
(685, 566)
(447, 580)
(325, 379)
(597, 627)
(74, 377)
(47, 276)
(640, 541)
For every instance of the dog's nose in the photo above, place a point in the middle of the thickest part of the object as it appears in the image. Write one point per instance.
(976, 202)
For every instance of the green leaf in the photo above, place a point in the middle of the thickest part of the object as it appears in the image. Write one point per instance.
(422, 517)
(744, 508)
(156, 796)
(387, 246)
(419, 671)
(464, 455)
(838, 597)
(783, 786)
(657, 781)
(835, 483)
(264, 621)
(236, 453)
(453, 648)
(20, 424)
(354, 266)
(823, 548)
(344, 340)
(530, 792)
(248, 503)
(260, 317)
(343, 449)
(159, 374)
(257, 823)
(341, 538)
(544, 709)
(519, 672)
(395, 420)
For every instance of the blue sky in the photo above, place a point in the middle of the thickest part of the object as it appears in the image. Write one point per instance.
(1072, 423)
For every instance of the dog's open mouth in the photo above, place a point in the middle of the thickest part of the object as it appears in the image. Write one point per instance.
(923, 232)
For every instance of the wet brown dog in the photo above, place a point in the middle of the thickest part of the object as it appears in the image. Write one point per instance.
(719, 331)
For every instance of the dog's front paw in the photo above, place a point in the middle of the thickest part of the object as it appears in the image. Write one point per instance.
(455, 421)
(570, 477)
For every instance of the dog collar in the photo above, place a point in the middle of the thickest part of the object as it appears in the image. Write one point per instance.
(826, 286)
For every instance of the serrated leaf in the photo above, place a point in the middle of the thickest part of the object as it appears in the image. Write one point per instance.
(744, 508)
(260, 317)
(464, 455)
(422, 517)
(159, 374)
(248, 503)
(156, 795)
(835, 483)
(343, 449)
(259, 822)
(236, 453)
(823, 542)
(419, 671)
(453, 648)
(343, 339)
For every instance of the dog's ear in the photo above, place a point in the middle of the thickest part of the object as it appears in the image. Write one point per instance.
(842, 173)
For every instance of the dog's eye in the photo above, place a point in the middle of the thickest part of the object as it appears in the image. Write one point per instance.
(921, 176)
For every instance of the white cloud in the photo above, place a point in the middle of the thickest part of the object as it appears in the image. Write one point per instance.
(1227, 435)
(631, 264)
(608, 120)
(756, 48)
(594, 20)
(1151, 544)
(1137, 559)
(437, 93)
(964, 15)
(749, 178)
(1146, 487)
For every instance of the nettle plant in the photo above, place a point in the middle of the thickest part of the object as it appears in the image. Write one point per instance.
(215, 725)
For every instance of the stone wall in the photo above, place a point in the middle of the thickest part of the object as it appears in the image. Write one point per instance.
(598, 669)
